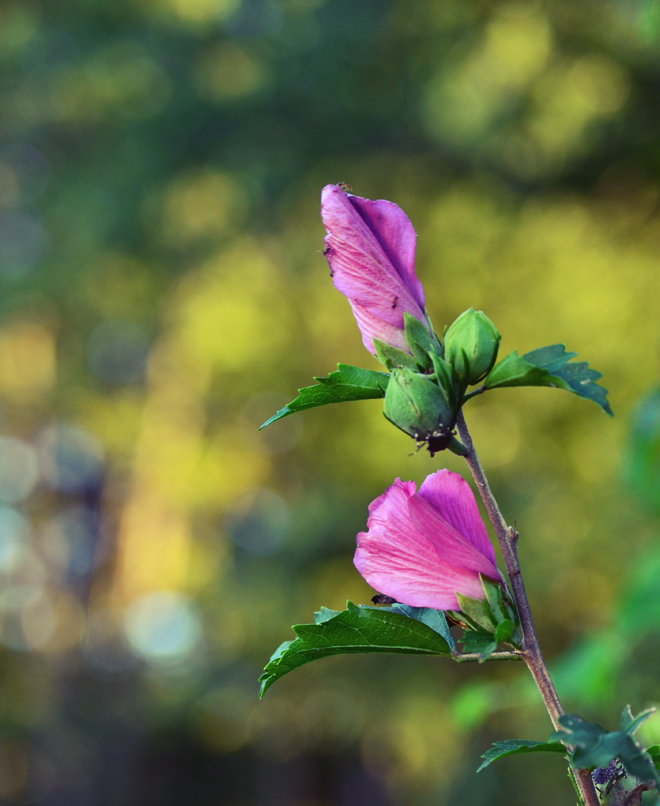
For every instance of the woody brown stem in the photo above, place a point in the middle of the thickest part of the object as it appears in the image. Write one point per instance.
(530, 648)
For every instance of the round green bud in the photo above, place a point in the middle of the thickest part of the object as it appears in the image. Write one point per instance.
(470, 345)
(421, 408)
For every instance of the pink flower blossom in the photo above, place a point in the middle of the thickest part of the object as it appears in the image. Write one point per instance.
(370, 247)
(422, 548)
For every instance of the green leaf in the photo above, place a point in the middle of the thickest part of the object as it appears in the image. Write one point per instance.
(549, 366)
(355, 630)
(516, 747)
(594, 747)
(435, 619)
(392, 357)
(630, 724)
(346, 383)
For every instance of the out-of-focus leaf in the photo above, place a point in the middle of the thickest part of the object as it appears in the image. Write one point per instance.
(642, 460)
(516, 747)
(356, 630)
(629, 723)
(593, 746)
(346, 383)
(549, 366)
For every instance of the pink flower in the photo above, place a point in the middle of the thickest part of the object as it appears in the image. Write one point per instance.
(370, 247)
(422, 548)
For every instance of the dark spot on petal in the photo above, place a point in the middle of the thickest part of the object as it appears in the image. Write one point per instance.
(394, 304)
(326, 250)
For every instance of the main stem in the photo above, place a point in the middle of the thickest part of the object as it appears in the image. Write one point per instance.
(531, 649)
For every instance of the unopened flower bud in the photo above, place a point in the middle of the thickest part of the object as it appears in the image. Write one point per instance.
(421, 408)
(470, 346)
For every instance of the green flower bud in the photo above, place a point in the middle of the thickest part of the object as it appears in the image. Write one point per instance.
(470, 346)
(421, 408)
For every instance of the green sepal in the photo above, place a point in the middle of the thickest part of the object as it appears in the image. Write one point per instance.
(446, 378)
(344, 384)
(356, 630)
(419, 340)
(549, 366)
(593, 747)
(477, 613)
(495, 598)
(516, 747)
(504, 631)
(392, 357)
(480, 643)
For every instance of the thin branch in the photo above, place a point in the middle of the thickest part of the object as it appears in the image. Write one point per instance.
(530, 649)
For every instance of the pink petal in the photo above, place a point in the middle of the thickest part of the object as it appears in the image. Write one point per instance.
(453, 498)
(399, 560)
(373, 327)
(394, 231)
(370, 250)
(451, 546)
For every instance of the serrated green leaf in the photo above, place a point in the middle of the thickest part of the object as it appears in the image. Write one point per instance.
(346, 383)
(630, 724)
(435, 619)
(356, 630)
(516, 747)
(324, 614)
(392, 357)
(549, 366)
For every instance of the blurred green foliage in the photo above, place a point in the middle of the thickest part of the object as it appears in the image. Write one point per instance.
(163, 293)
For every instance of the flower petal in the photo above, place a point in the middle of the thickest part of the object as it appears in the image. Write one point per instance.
(453, 498)
(373, 327)
(398, 560)
(394, 231)
(361, 251)
(450, 544)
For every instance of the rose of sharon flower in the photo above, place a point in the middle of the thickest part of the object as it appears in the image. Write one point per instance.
(370, 247)
(422, 548)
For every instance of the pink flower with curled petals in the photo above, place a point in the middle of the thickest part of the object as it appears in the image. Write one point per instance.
(370, 247)
(422, 548)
